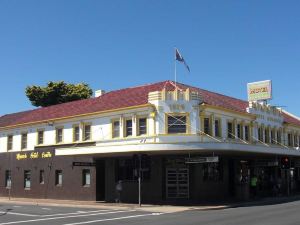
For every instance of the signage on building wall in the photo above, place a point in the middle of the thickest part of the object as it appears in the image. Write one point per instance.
(202, 160)
(261, 90)
(84, 164)
(33, 155)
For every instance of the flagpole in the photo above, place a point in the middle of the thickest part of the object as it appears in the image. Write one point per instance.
(175, 71)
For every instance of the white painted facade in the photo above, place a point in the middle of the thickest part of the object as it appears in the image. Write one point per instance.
(162, 104)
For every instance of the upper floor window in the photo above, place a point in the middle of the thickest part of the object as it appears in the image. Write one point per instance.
(217, 128)
(40, 138)
(278, 137)
(230, 130)
(128, 127)
(116, 129)
(260, 134)
(142, 126)
(272, 136)
(239, 128)
(206, 125)
(59, 135)
(267, 136)
(24, 141)
(247, 135)
(76, 133)
(295, 141)
(9, 142)
(177, 124)
(290, 140)
(87, 132)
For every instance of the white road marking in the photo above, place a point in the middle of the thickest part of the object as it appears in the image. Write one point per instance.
(17, 206)
(46, 209)
(18, 214)
(64, 217)
(50, 215)
(116, 218)
(78, 212)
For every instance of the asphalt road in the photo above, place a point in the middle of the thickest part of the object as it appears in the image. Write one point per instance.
(277, 214)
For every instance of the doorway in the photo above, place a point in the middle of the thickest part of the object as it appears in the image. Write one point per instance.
(100, 180)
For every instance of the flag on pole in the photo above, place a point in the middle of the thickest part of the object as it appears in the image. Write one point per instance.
(179, 58)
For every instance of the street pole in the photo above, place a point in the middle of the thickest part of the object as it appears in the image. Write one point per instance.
(140, 185)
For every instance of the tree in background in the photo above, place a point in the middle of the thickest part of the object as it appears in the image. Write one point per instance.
(57, 92)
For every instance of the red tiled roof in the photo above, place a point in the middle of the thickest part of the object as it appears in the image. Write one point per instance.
(121, 99)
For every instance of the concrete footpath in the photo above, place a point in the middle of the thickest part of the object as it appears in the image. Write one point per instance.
(146, 207)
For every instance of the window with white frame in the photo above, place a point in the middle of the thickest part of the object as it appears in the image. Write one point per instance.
(8, 178)
(87, 132)
(116, 129)
(24, 140)
(142, 126)
(27, 179)
(128, 127)
(40, 138)
(59, 135)
(9, 142)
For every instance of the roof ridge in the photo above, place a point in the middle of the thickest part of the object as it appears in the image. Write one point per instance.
(212, 92)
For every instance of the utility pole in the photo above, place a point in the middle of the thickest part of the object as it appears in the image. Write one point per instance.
(139, 179)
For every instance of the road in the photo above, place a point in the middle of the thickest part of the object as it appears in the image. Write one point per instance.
(277, 214)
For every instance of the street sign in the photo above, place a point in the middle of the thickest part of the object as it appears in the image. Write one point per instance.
(84, 164)
(213, 159)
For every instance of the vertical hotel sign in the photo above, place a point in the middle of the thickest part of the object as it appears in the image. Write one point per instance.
(261, 90)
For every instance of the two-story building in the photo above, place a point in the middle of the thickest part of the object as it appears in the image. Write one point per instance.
(189, 144)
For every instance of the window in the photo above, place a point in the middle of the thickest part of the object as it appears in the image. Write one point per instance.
(24, 141)
(40, 139)
(217, 128)
(42, 176)
(206, 126)
(239, 128)
(142, 126)
(7, 178)
(9, 142)
(59, 135)
(247, 136)
(27, 182)
(116, 129)
(86, 177)
(128, 127)
(295, 141)
(230, 130)
(128, 168)
(278, 137)
(87, 132)
(58, 177)
(267, 136)
(272, 136)
(290, 140)
(76, 133)
(177, 124)
(212, 172)
(260, 134)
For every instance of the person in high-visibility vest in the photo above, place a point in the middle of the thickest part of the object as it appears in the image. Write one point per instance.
(253, 185)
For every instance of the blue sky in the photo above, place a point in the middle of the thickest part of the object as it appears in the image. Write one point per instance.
(116, 43)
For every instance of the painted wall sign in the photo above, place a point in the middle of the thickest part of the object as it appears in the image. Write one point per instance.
(33, 155)
(261, 90)
(213, 159)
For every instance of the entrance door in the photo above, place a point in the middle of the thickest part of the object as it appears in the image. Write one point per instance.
(177, 183)
(100, 180)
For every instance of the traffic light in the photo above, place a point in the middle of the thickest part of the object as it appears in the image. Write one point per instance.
(285, 163)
